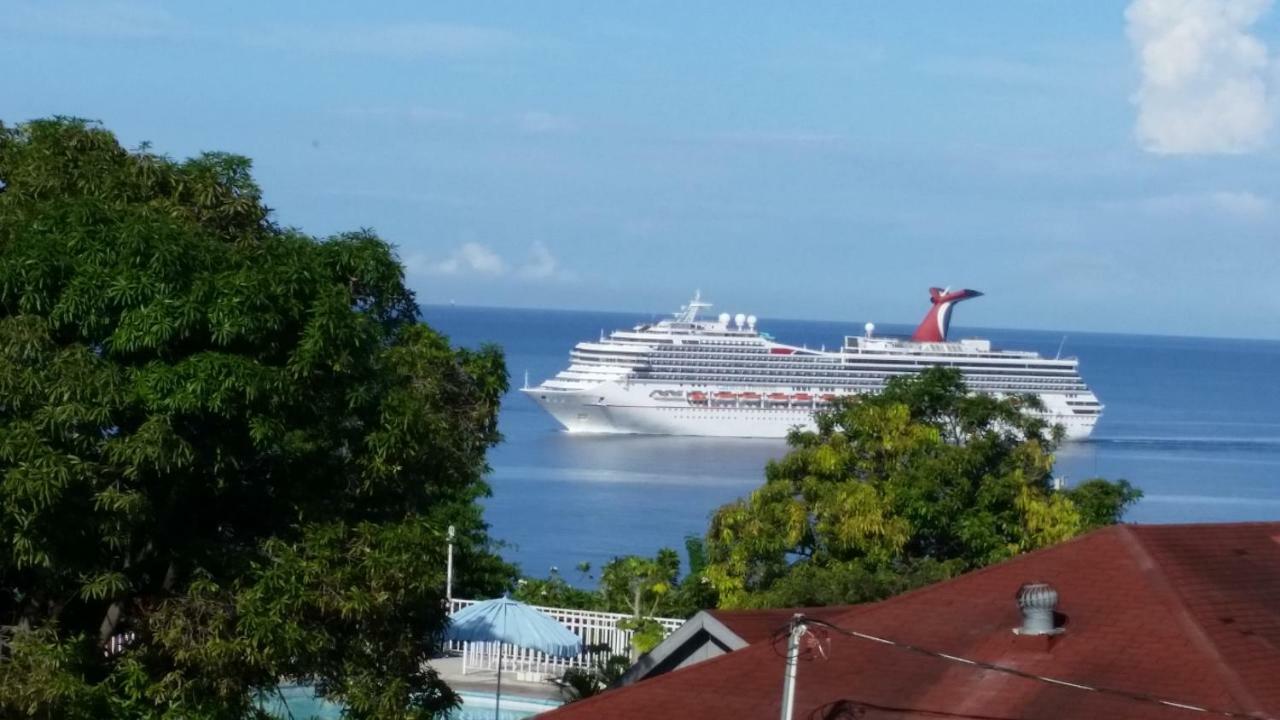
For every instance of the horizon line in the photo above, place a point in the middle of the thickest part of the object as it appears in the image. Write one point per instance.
(1067, 332)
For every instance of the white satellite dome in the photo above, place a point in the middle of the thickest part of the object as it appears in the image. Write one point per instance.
(739, 319)
(870, 328)
(724, 318)
(751, 321)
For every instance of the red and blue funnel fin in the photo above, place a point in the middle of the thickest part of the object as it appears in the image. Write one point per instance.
(935, 325)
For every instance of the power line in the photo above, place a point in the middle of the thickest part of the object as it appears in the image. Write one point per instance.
(1058, 682)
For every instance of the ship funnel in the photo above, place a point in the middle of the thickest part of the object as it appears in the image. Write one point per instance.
(935, 325)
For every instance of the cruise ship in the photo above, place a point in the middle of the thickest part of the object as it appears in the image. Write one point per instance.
(724, 377)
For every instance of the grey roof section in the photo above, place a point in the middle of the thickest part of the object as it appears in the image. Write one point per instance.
(700, 638)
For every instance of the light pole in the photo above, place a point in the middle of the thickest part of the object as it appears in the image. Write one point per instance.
(448, 572)
(793, 656)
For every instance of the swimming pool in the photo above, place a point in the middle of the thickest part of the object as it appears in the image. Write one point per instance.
(301, 703)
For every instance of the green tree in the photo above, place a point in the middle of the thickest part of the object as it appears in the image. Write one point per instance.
(639, 587)
(894, 490)
(1102, 502)
(695, 591)
(231, 444)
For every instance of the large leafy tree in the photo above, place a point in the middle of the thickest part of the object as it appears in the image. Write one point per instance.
(228, 450)
(895, 490)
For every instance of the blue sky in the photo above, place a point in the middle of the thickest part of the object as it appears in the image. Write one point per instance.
(1101, 166)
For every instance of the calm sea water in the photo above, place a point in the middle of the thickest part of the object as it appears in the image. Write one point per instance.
(1194, 422)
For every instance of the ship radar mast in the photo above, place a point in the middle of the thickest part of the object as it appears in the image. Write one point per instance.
(689, 313)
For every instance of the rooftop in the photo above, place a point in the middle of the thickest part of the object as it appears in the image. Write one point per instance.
(1187, 612)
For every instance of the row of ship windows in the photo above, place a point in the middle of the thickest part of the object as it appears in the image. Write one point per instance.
(679, 351)
(1002, 389)
(849, 373)
(668, 341)
(856, 389)
(849, 367)
(775, 368)
(854, 378)
(851, 345)
(799, 360)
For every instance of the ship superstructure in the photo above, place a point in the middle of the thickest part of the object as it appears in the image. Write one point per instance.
(722, 377)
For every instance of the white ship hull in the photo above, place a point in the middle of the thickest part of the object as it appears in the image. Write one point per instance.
(686, 376)
(614, 408)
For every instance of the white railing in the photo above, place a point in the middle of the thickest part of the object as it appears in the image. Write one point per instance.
(118, 643)
(597, 630)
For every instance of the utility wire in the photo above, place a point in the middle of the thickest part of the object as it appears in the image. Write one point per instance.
(1059, 682)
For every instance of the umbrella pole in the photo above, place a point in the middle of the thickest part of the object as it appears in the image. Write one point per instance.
(497, 698)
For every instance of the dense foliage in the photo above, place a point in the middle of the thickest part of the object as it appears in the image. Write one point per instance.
(899, 489)
(228, 443)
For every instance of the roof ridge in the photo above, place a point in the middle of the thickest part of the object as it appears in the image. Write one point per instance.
(995, 566)
(1155, 573)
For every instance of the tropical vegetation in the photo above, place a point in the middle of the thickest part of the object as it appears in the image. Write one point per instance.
(228, 450)
(895, 490)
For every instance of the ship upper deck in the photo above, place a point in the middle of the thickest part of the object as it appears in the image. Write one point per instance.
(968, 347)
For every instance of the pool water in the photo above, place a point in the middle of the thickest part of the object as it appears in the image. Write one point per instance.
(300, 703)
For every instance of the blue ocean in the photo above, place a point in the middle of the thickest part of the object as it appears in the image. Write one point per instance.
(1194, 422)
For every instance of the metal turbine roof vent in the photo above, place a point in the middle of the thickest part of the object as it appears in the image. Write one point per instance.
(1037, 602)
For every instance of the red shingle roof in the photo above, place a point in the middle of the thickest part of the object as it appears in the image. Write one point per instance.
(1190, 612)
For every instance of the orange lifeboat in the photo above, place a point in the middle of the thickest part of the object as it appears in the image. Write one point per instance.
(697, 397)
(725, 396)
(778, 397)
(802, 398)
(750, 396)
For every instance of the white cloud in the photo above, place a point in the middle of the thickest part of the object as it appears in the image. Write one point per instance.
(403, 40)
(1205, 78)
(473, 258)
(469, 258)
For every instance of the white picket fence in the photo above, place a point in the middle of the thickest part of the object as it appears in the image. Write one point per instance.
(595, 629)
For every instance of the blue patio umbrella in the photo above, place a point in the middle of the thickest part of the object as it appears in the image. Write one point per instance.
(510, 622)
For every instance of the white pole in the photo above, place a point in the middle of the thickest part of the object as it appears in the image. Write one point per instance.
(448, 572)
(497, 698)
(789, 679)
